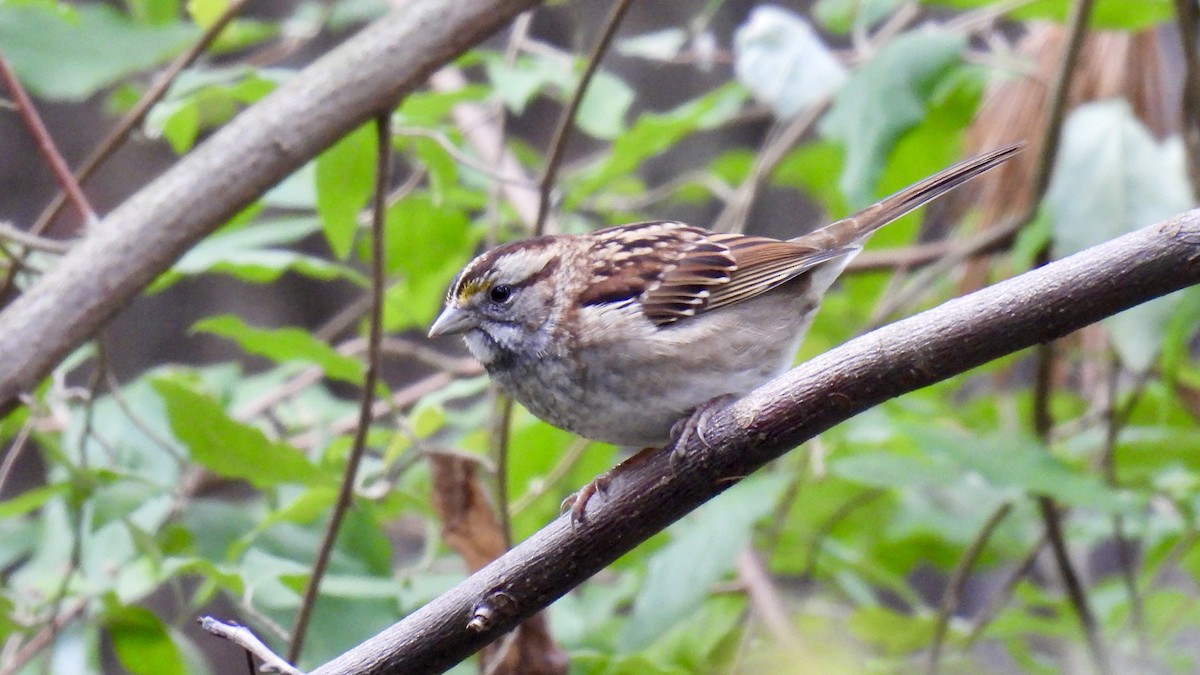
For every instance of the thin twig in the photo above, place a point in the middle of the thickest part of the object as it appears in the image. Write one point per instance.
(501, 432)
(564, 466)
(383, 128)
(1114, 421)
(247, 640)
(14, 452)
(562, 133)
(1071, 582)
(1001, 598)
(954, 586)
(1042, 420)
(75, 507)
(43, 638)
(765, 598)
(737, 209)
(1188, 15)
(853, 504)
(45, 144)
(119, 134)
(118, 397)
(941, 255)
(463, 158)
(398, 400)
(19, 236)
(484, 135)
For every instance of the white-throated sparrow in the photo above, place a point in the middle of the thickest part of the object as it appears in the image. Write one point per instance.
(618, 334)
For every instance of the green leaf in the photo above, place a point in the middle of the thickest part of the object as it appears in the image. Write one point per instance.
(1113, 177)
(154, 11)
(181, 124)
(31, 500)
(442, 167)
(1106, 14)
(230, 448)
(345, 179)
(602, 110)
(518, 83)
(68, 57)
(142, 643)
(654, 133)
(883, 99)
(428, 108)
(896, 633)
(1014, 460)
(702, 550)
(248, 253)
(206, 12)
(428, 243)
(889, 470)
(204, 100)
(660, 45)
(840, 16)
(283, 345)
(783, 62)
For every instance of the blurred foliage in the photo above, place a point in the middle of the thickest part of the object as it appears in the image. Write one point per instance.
(195, 484)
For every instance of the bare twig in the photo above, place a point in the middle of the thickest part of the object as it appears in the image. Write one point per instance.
(43, 638)
(737, 209)
(19, 236)
(563, 131)
(119, 134)
(1189, 16)
(565, 464)
(501, 432)
(45, 144)
(954, 586)
(398, 400)
(1002, 597)
(14, 452)
(383, 177)
(841, 513)
(466, 160)
(1114, 421)
(485, 137)
(765, 598)
(247, 640)
(1042, 420)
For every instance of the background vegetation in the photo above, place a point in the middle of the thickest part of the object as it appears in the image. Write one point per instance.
(1035, 515)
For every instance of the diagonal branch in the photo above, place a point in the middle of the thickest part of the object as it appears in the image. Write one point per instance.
(1035, 307)
(139, 240)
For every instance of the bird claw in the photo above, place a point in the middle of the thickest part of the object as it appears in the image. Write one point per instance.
(695, 424)
(576, 502)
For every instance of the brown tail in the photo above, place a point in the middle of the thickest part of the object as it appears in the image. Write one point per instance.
(853, 229)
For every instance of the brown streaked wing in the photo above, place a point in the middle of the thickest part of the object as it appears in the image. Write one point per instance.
(761, 264)
(632, 260)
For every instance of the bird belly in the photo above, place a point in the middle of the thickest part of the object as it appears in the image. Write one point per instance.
(607, 391)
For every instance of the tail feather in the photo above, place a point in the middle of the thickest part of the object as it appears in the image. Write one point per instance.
(853, 230)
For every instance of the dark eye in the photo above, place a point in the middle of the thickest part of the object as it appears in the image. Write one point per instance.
(500, 294)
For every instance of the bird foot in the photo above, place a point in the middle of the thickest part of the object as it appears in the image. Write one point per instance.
(695, 424)
(577, 503)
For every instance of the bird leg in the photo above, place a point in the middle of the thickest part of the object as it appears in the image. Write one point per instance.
(681, 433)
(577, 502)
(695, 424)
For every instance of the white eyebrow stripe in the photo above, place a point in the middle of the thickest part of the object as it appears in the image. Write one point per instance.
(515, 267)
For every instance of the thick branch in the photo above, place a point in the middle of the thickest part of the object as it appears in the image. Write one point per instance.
(1040, 305)
(145, 235)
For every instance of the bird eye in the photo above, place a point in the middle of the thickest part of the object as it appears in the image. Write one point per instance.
(500, 294)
